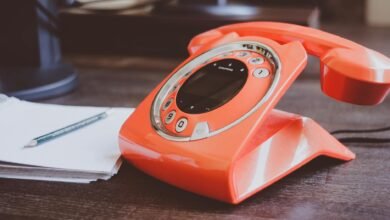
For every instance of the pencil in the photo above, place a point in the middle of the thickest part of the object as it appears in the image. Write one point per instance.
(65, 130)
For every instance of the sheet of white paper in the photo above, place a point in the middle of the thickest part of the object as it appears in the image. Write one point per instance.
(8, 171)
(92, 148)
(52, 179)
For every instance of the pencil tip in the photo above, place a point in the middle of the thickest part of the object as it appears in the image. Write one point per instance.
(32, 143)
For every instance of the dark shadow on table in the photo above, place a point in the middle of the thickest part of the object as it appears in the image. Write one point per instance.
(169, 197)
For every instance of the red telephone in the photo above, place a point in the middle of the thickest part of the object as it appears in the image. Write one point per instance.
(210, 127)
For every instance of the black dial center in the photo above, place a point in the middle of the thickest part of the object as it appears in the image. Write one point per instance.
(212, 86)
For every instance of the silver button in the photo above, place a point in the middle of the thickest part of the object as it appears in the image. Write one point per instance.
(256, 60)
(242, 54)
(201, 131)
(181, 124)
(260, 73)
(167, 104)
(170, 116)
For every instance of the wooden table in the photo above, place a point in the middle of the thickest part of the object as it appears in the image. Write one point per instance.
(323, 189)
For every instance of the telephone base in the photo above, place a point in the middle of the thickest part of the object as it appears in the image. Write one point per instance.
(282, 144)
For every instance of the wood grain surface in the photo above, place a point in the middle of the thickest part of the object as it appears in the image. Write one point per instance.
(323, 189)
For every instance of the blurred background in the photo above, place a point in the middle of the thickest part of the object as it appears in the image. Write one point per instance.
(43, 43)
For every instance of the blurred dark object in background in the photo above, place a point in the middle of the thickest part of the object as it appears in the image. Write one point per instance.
(237, 10)
(30, 55)
(163, 28)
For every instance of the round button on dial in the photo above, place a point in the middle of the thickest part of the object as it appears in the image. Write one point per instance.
(174, 88)
(181, 124)
(256, 60)
(170, 116)
(167, 104)
(260, 73)
(242, 54)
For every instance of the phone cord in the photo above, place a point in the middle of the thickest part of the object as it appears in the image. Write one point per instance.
(362, 139)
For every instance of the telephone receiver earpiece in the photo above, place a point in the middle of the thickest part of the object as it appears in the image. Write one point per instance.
(349, 72)
(355, 76)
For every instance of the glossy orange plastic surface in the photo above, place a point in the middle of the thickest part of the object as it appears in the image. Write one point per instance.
(261, 86)
(349, 71)
(268, 144)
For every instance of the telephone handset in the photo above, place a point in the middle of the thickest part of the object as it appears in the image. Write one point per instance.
(349, 71)
(210, 127)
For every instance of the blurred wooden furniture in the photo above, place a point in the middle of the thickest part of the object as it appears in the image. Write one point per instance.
(163, 31)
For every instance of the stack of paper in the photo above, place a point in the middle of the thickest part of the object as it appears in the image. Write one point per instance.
(84, 155)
